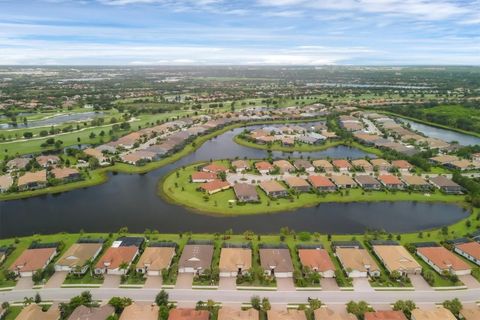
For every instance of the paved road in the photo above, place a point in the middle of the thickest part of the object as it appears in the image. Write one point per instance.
(240, 296)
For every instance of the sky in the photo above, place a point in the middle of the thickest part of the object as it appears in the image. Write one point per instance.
(240, 32)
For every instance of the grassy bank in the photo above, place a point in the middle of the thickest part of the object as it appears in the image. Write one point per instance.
(177, 188)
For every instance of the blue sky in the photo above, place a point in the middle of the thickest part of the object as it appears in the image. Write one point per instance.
(249, 32)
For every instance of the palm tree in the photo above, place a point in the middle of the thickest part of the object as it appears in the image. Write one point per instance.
(27, 301)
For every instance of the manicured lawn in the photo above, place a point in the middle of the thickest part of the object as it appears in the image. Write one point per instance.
(277, 146)
(13, 312)
(86, 279)
(181, 191)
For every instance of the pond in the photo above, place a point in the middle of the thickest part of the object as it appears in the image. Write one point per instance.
(131, 200)
(443, 134)
(53, 120)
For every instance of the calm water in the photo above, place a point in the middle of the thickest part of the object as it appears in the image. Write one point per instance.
(131, 200)
(446, 135)
(54, 120)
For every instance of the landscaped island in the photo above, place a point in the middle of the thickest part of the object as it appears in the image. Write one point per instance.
(261, 186)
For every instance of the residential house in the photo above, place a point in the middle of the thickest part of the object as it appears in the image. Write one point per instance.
(155, 258)
(470, 250)
(138, 157)
(385, 315)
(264, 167)
(273, 189)
(245, 192)
(76, 258)
(202, 177)
(443, 260)
(3, 254)
(444, 159)
(32, 260)
(97, 154)
(18, 164)
(381, 164)
(35, 312)
(329, 314)
(6, 182)
(356, 262)
(47, 161)
(322, 183)
(143, 311)
(438, 313)
(416, 182)
(128, 141)
(235, 261)
(284, 166)
(276, 262)
(402, 165)
(92, 313)
(298, 184)
(470, 313)
(363, 165)
(303, 165)
(240, 166)
(397, 258)
(288, 314)
(318, 260)
(446, 185)
(215, 186)
(391, 182)
(226, 313)
(342, 165)
(368, 182)
(196, 258)
(118, 258)
(66, 174)
(32, 180)
(188, 314)
(323, 165)
(476, 157)
(343, 181)
(215, 168)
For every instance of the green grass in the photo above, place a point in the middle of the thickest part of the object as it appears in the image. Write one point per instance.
(181, 191)
(277, 146)
(86, 279)
(13, 312)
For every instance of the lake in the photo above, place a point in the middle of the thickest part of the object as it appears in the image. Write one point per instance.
(132, 200)
(53, 120)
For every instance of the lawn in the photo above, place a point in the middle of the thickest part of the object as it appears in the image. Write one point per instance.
(181, 191)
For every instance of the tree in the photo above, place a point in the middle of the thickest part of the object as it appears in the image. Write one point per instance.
(255, 302)
(27, 301)
(358, 308)
(38, 298)
(266, 304)
(119, 303)
(315, 304)
(406, 306)
(162, 298)
(455, 306)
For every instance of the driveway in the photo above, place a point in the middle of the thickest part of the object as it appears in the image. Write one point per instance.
(362, 284)
(24, 283)
(111, 281)
(56, 280)
(469, 281)
(329, 284)
(419, 283)
(153, 282)
(184, 281)
(285, 284)
(228, 283)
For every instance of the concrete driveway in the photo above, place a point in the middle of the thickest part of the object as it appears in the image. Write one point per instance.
(285, 284)
(469, 281)
(419, 283)
(362, 284)
(153, 282)
(184, 281)
(228, 283)
(24, 283)
(329, 284)
(111, 281)
(56, 280)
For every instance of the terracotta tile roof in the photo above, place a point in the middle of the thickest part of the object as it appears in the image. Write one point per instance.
(442, 181)
(401, 164)
(471, 248)
(444, 258)
(240, 164)
(6, 181)
(439, 313)
(380, 162)
(78, 254)
(138, 311)
(396, 257)
(385, 315)
(188, 314)
(215, 185)
(341, 163)
(356, 259)
(343, 180)
(322, 164)
(44, 160)
(62, 173)
(414, 180)
(289, 314)
(317, 259)
(245, 190)
(196, 256)
(32, 259)
(329, 314)
(366, 179)
(283, 164)
(114, 257)
(472, 313)
(294, 182)
(86, 313)
(320, 181)
(34, 312)
(156, 258)
(29, 177)
(263, 165)
(276, 258)
(362, 163)
(271, 186)
(227, 313)
(213, 167)
(390, 179)
(204, 175)
(231, 259)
